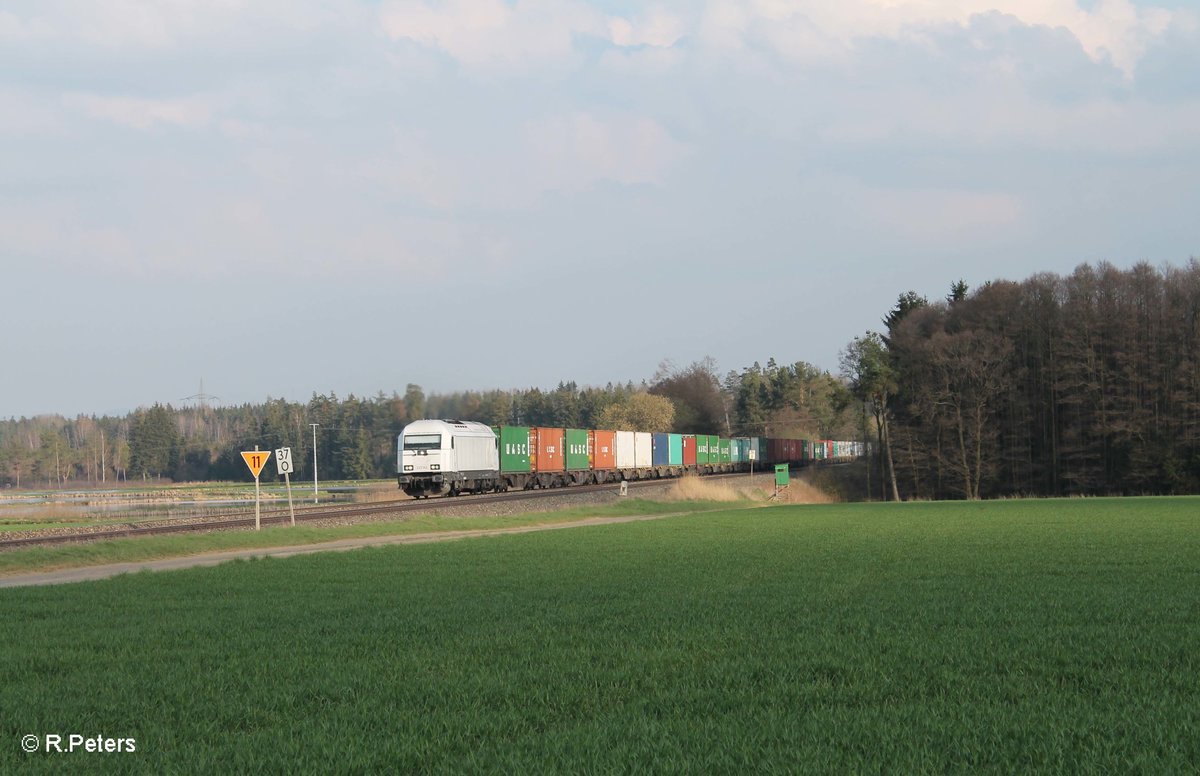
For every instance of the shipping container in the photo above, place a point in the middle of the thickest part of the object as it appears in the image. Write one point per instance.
(643, 450)
(514, 449)
(689, 449)
(675, 450)
(660, 449)
(546, 453)
(702, 449)
(759, 448)
(579, 449)
(604, 450)
(625, 450)
(724, 451)
(775, 450)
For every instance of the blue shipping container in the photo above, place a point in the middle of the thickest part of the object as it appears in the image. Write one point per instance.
(662, 450)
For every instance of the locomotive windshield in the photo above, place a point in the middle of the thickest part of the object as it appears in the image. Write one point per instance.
(423, 442)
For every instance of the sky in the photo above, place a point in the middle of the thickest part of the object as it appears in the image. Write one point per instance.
(281, 198)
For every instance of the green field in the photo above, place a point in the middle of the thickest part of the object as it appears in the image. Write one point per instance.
(1005, 637)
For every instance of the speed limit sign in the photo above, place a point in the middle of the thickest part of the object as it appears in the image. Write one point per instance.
(283, 460)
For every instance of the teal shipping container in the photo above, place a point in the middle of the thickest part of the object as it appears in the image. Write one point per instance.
(675, 453)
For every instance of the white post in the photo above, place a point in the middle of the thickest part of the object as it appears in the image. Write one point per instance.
(288, 478)
(314, 427)
(257, 514)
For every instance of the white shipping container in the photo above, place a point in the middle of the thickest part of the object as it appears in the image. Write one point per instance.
(625, 450)
(643, 450)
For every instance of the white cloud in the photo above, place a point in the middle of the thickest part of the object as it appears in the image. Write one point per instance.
(1114, 30)
(575, 151)
(143, 113)
(123, 24)
(499, 36)
(23, 112)
(494, 33)
(656, 27)
(940, 216)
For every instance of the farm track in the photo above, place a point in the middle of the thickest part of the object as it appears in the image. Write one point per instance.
(313, 514)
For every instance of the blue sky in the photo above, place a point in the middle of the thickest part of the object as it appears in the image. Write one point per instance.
(283, 198)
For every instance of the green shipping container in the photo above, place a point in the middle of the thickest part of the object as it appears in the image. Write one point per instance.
(577, 450)
(702, 449)
(737, 453)
(514, 449)
(725, 451)
(675, 450)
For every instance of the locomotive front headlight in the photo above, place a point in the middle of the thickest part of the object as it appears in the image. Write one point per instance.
(408, 467)
(435, 467)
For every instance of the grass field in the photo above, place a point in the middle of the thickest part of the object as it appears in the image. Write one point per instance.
(999, 637)
(180, 545)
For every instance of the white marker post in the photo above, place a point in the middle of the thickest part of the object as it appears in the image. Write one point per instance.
(256, 461)
(750, 454)
(283, 462)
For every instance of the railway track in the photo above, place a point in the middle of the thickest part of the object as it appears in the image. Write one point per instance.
(312, 514)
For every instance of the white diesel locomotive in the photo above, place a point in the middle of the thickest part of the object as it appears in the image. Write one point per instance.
(447, 457)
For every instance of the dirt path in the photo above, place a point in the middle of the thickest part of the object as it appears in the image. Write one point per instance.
(88, 573)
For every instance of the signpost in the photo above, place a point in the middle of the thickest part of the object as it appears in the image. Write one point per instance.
(751, 455)
(256, 460)
(283, 463)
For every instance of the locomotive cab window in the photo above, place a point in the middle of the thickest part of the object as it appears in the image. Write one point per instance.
(423, 442)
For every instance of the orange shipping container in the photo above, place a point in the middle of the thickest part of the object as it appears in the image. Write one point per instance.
(546, 449)
(604, 450)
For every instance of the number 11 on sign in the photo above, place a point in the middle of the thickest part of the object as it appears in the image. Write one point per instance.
(256, 460)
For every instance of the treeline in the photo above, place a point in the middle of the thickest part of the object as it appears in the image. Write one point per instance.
(356, 437)
(1087, 384)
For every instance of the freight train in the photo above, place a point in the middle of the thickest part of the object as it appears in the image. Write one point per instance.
(451, 457)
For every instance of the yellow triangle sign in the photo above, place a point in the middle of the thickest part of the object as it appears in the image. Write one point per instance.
(256, 460)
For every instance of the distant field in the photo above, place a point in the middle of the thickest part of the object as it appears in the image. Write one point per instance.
(1003, 637)
(31, 510)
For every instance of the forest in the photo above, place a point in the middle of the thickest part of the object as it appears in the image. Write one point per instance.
(1085, 384)
(356, 437)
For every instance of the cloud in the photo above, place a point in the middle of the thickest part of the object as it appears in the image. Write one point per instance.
(1116, 31)
(493, 33)
(495, 36)
(940, 216)
(573, 152)
(656, 27)
(124, 24)
(144, 113)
